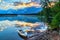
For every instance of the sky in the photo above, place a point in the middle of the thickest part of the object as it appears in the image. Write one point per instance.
(17, 1)
(10, 4)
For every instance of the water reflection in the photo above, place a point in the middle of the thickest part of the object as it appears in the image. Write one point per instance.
(8, 26)
(6, 23)
(11, 21)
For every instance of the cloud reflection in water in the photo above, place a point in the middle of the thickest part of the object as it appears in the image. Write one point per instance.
(6, 23)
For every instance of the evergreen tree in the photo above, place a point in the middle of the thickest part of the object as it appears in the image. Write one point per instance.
(56, 16)
(56, 21)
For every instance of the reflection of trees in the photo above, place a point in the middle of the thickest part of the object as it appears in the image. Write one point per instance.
(42, 18)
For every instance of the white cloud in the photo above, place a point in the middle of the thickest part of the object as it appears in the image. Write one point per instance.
(5, 5)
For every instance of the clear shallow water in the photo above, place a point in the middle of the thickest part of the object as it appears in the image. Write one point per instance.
(8, 27)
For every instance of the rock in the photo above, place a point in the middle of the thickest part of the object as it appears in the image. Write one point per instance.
(48, 35)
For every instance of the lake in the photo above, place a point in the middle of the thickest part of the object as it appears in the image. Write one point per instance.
(8, 29)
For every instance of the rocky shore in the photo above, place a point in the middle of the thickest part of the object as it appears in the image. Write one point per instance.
(48, 35)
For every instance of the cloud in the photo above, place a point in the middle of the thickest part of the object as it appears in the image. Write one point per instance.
(5, 5)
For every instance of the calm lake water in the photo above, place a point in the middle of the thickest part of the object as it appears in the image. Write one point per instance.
(8, 31)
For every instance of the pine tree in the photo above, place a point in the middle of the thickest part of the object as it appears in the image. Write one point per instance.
(56, 19)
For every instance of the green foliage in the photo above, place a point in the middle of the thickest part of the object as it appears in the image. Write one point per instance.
(56, 21)
(54, 13)
(56, 8)
(56, 16)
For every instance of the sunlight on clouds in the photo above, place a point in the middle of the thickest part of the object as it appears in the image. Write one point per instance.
(5, 5)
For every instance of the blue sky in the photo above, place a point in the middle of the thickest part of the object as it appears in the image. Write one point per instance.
(7, 6)
(17, 0)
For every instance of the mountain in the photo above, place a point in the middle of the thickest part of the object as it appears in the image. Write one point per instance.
(27, 10)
